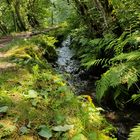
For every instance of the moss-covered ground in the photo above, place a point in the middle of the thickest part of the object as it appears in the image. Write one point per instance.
(35, 101)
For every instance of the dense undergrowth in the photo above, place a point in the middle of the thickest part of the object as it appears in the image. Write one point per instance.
(35, 101)
(107, 42)
(106, 37)
(120, 58)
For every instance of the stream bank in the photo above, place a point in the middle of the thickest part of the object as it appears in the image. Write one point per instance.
(82, 82)
(78, 78)
(36, 103)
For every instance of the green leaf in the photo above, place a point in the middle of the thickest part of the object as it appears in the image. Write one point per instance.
(34, 102)
(79, 137)
(93, 135)
(32, 94)
(1, 126)
(3, 109)
(59, 118)
(62, 128)
(135, 133)
(24, 130)
(45, 132)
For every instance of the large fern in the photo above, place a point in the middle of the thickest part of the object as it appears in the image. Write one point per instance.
(110, 46)
(120, 55)
(135, 133)
(94, 54)
(127, 42)
(125, 69)
(123, 73)
(124, 66)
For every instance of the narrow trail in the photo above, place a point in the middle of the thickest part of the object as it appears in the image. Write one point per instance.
(4, 64)
(9, 38)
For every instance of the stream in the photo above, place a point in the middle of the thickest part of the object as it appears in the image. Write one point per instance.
(77, 78)
(82, 82)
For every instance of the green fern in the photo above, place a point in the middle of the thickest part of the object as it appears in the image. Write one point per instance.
(135, 133)
(118, 44)
(132, 56)
(95, 62)
(136, 98)
(124, 67)
(91, 56)
(123, 73)
(121, 55)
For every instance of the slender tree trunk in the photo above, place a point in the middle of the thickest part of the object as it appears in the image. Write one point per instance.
(93, 26)
(13, 15)
(31, 17)
(20, 22)
(108, 8)
(52, 18)
(3, 29)
(101, 8)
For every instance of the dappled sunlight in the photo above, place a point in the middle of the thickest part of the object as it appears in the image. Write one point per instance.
(35, 100)
(6, 65)
(69, 69)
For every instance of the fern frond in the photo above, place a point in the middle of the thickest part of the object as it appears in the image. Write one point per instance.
(136, 98)
(118, 44)
(132, 56)
(95, 62)
(95, 42)
(135, 133)
(121, 74)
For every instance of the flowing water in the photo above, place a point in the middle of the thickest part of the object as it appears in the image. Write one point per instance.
(70, 67)
(82, 83)
(65, 60)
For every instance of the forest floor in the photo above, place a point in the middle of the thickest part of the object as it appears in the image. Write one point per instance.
(3, 42)
(35, 101)
(6, 40)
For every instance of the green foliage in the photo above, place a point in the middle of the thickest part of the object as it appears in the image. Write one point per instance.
(114, 77)
(45, 132)
(91, 51)
(97, 48)
(127, 13)
(25, 15)
(124, 66)
(135, 133)
(35, 90)
(119, 55)
(105, 34)
(3, 109)
(34, 50)
(6, 129)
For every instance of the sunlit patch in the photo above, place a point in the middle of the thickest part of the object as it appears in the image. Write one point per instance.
(5, 65)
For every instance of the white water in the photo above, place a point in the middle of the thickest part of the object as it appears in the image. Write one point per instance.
(65, 60)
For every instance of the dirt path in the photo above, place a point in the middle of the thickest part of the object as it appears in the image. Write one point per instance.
(4, 64)
(7, 39)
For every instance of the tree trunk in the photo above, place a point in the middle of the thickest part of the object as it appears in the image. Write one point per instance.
(13, 15)
(101, 8)
(93, 26)
(20, 22)
(31, 16)
(3, 29)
